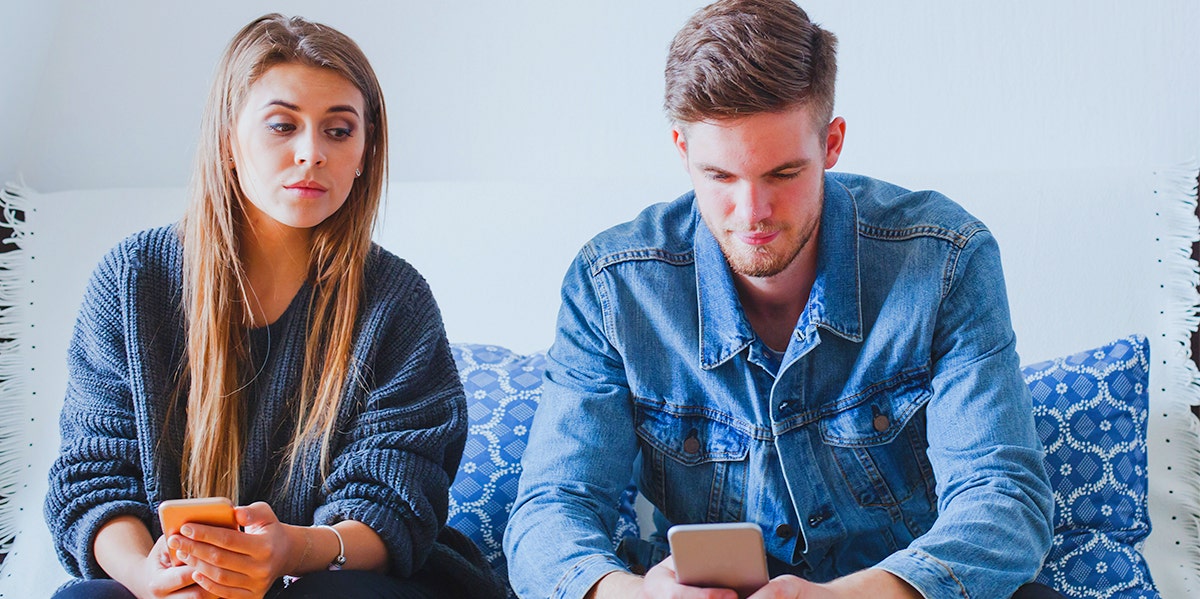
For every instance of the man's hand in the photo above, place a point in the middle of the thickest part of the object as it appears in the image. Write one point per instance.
(874, 583)
(793, 587)
(659, 583)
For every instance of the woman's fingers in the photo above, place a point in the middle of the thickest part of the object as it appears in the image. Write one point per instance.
(256, 515)
(171, 579)
(221, 590)
(225, 538)
(220, 575)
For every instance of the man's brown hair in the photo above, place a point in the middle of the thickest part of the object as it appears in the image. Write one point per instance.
(741, 57)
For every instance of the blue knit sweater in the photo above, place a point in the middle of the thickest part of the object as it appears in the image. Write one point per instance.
(400, 430)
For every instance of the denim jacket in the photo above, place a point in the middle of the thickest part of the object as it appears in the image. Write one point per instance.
(895, 433)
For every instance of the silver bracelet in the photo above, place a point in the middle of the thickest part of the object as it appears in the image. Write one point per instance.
(340, 560)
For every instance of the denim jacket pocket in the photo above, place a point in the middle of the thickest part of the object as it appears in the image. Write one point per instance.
(878, 443)
(693, 465)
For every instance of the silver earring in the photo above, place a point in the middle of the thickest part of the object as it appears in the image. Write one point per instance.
(357, 172)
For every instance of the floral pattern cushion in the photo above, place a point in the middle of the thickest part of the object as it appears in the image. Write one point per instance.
(1091, 410)
(503, 389)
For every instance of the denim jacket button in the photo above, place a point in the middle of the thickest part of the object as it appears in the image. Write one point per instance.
(881, 422)
(783, 531)
(815, 520)
(691, 445)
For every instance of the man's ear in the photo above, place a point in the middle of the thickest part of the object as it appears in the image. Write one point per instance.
(835, 135)
(680, 140)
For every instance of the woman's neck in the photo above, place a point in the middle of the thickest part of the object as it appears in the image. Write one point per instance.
(276, 260)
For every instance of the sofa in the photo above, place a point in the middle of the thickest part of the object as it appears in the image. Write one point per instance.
(1091, 410)
(1121, 441)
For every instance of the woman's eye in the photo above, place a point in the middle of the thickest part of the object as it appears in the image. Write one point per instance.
(281, 127)
(339, 132)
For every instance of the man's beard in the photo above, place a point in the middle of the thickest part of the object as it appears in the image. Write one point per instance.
(765, 261)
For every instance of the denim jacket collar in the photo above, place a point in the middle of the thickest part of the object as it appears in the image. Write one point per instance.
(833, 303)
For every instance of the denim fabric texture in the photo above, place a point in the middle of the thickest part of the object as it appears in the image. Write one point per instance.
(897, 431)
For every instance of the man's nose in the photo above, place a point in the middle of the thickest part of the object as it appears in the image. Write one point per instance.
(752, 204)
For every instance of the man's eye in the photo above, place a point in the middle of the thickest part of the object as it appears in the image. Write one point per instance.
(281, 127)
(788, 175)
(719, 176)
(339, 132)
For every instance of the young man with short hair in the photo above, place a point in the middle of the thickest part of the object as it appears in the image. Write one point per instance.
(826, 355)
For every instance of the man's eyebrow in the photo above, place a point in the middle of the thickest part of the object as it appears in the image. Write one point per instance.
(787, 166)
(290, 106)
(794, 164)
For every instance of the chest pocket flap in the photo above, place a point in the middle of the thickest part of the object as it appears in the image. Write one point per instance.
(878, 414)
(690, 438)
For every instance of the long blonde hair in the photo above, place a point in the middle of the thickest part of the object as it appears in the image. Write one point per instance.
(216, 291)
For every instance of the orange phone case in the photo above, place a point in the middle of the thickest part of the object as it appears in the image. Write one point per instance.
(213, 511)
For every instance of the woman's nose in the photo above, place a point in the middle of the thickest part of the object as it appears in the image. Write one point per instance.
(309, 150)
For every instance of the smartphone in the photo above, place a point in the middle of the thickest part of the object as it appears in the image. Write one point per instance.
(728, 555)
(213, 511)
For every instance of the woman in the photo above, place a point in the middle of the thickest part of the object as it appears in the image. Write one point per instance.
(265, 350)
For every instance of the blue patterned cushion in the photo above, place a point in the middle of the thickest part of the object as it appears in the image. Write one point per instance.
(1091, 411)
(503, 390)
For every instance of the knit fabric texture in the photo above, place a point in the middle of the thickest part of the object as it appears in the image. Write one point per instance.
(399, 436)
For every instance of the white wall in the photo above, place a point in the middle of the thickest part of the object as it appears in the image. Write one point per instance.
(549, 112)
(25, 34)
(536, 89)
(521, 128)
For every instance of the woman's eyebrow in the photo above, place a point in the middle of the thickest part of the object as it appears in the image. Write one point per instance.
(290, 106)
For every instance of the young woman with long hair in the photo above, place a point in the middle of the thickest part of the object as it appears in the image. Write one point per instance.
(264, 350)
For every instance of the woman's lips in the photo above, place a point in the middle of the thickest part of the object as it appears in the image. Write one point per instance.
(306, 190)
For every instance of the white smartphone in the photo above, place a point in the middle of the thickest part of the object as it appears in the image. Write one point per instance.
(728, 555)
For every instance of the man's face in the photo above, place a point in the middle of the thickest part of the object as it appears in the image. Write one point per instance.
(759, 183)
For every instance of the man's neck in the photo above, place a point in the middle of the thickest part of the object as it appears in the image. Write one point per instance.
(774, 304)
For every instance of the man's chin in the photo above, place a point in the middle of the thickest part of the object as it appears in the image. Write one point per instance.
(760, 265)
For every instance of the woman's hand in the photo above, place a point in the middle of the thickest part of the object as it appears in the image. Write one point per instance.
(160, 580)
(125, 551)
(240, 565)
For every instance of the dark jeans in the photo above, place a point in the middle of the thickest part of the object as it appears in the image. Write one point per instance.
(1034, 590)
(318, 585)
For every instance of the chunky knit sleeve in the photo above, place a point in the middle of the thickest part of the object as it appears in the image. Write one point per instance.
(98, 474)
(393, 468)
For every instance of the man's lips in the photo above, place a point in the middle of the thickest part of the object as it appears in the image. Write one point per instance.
(756, 237)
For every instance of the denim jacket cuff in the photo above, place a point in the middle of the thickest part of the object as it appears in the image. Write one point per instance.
(931, 577)
(584, 574)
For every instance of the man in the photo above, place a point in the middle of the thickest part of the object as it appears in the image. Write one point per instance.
(825, 355)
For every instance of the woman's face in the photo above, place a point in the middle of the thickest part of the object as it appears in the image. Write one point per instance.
(298, 141)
